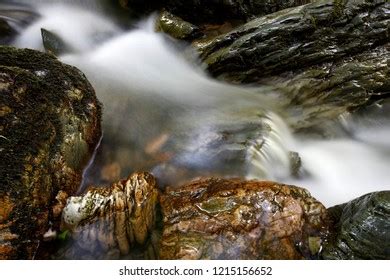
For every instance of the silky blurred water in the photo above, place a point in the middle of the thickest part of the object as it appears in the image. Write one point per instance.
(156, 95)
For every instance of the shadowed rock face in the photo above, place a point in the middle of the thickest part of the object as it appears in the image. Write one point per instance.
(362, 229)
(233, 219)
(50, 126)
(203, 11)
(5, 31)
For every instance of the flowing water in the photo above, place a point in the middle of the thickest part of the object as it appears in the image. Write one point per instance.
(163, 113)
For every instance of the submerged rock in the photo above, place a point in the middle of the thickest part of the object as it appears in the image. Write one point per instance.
(109, 222)
(233, 219)
(50, 127)
(362, 229)
(297, 38)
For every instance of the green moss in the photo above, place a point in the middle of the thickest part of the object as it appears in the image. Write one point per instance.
(45, 141)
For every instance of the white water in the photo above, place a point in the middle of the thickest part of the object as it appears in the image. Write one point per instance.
(81, 29)
(141, 68)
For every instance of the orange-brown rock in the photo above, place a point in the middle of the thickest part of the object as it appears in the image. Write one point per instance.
(109, 222)
(235, 219)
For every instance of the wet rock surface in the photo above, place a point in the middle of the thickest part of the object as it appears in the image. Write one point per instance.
(50, 126)
(233, 219)
(324, 91)
(362, 228)
(296, 38)
(110, 222)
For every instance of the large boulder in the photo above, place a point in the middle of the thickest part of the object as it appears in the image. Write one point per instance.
(297, 38)
(362, 228)
(325, 58)
(235, 219)
(50, 126)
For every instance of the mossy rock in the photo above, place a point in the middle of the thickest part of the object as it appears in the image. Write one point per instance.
(50, 126)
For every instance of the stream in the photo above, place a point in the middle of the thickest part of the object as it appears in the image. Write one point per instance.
(163, 113)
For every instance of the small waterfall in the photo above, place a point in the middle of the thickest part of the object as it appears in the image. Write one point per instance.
(158, 103)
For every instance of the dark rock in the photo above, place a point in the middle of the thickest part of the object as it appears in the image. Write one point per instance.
(50, 126)
(53, 44)
(323, 92)
(362, 228)
(233, 219)
(296, 38)
(5, 31)
(12, 17)
(205, 11)
(220, 10)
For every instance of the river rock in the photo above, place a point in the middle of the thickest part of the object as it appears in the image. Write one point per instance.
(176, 27)
(50, 126)
(296, 38)
(362, 228)
(53, 44)
(323, 92)
(234, 219)
(110, 222)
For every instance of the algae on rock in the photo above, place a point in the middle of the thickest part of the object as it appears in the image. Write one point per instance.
(50, 126)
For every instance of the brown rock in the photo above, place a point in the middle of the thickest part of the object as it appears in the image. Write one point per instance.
(234, 219)
(109, 222)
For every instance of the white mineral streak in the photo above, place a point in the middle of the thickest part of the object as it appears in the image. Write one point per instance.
(114, 218)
